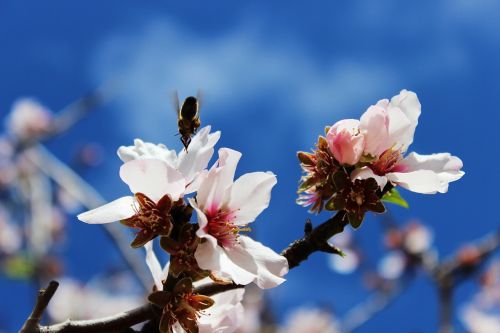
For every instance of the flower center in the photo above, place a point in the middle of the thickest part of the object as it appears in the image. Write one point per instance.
(221, 226)
(387, 162)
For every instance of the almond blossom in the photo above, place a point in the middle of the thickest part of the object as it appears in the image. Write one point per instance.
(156, 187)
(226, 314)
(188, 162)
(224, 209)
(388, 128)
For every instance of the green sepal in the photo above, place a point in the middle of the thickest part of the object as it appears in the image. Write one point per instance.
(355, 220)
(330, 204)
(307, 184)
(394, 197)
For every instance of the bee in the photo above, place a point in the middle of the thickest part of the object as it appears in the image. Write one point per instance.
(188, 118)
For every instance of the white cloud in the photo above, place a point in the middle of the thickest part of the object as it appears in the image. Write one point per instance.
(231, 69)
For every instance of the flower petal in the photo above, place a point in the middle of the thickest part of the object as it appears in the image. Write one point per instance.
(420, 181)
(345, 141)
(214, 184)
(147, 150)
(154, 265)
(365, 173)
(202, 219)
(154, 178)
(374, 124)
(116, 210)
(406, 102)
(201, 149)
(250, 195)
(212, 257)
(444, 165)
(271, 267)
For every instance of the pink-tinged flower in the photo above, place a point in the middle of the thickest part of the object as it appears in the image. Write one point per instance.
(224, 209)
(388, 128)
(345, 141)
(156, 186)
(189, 164)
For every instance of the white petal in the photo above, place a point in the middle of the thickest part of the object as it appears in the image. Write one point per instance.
(153, 177)
(447, 167)
(421, 181)
(154, 265)
(202, 219)
(271, 267)
(199, 153)
(408, 103)
(215, 183)
(119, 209)
(250, 195)
(400, 135)
(210, 256)
(365, 173)
(226, 315)
(147, 150)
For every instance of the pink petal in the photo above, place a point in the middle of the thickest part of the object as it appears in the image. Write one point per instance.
(154, 178)
(215, 183)
(345, 141)
(374, 124)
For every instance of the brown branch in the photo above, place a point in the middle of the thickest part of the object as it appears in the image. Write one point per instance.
(43, 299)
(448, 274)
(115, 323)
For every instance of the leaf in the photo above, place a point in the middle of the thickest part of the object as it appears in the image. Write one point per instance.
(394, 197)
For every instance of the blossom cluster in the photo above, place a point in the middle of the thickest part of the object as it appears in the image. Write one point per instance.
(361, 161)
(167, 188)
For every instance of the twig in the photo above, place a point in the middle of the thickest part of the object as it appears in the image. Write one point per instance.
(43, 299)
(115, 323)
(448, 274)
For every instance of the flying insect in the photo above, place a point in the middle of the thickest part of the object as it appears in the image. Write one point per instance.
(188, 118)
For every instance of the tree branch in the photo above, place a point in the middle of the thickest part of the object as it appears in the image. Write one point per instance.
(43, 299)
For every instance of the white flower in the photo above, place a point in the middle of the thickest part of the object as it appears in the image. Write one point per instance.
(482, 314)
(346, 264)
(224, 208)
(189, 163)
(225, 316)
(310, 320)
(389, 127)
(155, 185)
(392, 265)
(28, 119)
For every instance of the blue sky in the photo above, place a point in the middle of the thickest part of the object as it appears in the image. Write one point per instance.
(272, 76)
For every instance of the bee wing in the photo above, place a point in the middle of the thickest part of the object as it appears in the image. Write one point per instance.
(175, 102)
(199, 96)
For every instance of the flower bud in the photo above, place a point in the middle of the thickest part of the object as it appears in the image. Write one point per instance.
(346, 142)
